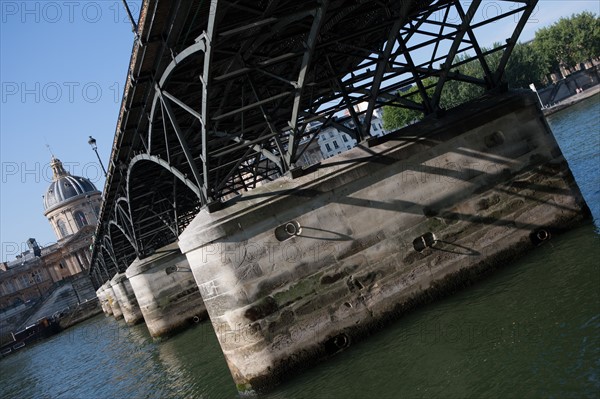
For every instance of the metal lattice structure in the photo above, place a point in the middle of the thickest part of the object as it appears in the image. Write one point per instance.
(222, 96)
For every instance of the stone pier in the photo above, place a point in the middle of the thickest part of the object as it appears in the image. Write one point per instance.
(298, 269)
(113, 303)
(166, 291)
(126, 298)
(103, 301)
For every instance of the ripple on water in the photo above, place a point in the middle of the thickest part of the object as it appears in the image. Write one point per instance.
(530, 330)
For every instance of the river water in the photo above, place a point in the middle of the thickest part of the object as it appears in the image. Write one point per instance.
(530, 330)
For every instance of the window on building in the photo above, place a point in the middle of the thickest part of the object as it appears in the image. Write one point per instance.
(80, 219)
(348, 147)
(345, 138)
(37, 276)
(335, 144)
(61, 265)
(374, 127)
(24, 281)
(330, 134)
(328, 147)
(62, 228)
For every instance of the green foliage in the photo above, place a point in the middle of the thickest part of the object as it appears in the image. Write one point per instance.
(395, 117)
(525, 67)
(569, 41)
(457, 92)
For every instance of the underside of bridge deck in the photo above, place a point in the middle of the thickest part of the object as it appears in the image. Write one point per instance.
(222, 96)
(206, 180)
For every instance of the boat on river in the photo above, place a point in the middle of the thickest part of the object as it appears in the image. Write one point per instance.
(43, 328)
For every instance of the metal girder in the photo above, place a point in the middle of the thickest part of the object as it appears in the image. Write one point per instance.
(480, 56)
(311, 42)
(121, 213)
(102, 263)
(358, 134)
(205, 79)
(107, 247)
(130, 240)
(200, 180)
(382, 64)
(233, 105)
(465, 22)
(527, 10)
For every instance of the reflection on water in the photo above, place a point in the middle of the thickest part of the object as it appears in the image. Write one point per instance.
(530, 330)
(577, 130)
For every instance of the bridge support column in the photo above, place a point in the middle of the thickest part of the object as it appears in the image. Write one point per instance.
(113, 303)
(166, 291)
(297, 270)
(126, 298)
(103, 301)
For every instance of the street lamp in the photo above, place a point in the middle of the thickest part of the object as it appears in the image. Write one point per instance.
(33, 277)
(92, 142)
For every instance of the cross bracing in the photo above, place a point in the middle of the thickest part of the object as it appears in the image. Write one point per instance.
(223, 96)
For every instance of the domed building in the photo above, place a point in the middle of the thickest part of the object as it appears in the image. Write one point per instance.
(70, 202)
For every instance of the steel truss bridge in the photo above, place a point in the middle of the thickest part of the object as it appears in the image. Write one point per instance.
(223, 95)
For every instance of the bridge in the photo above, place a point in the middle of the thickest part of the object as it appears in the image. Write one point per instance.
(223, 99)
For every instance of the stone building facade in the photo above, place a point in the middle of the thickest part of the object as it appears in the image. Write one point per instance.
(71, 204)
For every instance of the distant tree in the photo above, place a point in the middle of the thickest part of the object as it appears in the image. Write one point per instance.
(525, 67)
(566, 43)
(569, 41)
(395, 116)
(457, 92)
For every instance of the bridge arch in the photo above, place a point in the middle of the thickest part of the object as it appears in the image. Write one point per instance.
(162, 201)
(122, 220)
(127, 250)
(234, 106)
(167, 124)
(110, 261)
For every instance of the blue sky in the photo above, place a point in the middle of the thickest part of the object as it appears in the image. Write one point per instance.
(62, 69)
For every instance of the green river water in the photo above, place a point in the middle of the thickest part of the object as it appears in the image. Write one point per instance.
(532, 329)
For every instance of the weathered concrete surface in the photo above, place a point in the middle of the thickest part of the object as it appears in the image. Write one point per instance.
(113, 303)
(166, 291)
(489, 181)
(126, 298)
(103, 301)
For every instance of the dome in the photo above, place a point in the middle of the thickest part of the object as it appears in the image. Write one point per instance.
(65, 187)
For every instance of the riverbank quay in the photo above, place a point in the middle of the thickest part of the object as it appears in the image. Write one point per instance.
(570, 101)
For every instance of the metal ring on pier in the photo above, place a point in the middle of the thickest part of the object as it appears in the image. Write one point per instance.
(288, 230)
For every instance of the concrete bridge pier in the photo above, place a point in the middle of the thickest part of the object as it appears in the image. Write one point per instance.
(126, 298)
(113, 303)
(296, 270)
(166, 291)
(103, 301)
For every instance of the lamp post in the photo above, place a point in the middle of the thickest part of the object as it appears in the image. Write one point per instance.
(533, 88)
(92, 143)
(33, 277)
